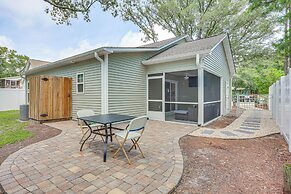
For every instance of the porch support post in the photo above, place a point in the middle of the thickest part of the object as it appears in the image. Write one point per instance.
(222, 96)
(104, 82)
(200, 91)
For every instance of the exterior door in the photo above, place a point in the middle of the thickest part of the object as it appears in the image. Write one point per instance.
(155, 98)
(170, 95)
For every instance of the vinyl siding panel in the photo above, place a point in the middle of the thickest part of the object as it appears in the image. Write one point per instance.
(91, 99)
(216, 63)
(183, 65)
(127, 83)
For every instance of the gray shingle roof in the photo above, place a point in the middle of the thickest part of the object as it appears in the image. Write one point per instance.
(192, 47)
(160, 43)
(36, 63)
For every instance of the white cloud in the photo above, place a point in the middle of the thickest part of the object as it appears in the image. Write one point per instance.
(135, 38)
(6, 42)
(131, 39)
(163, 34)
(83, 46)
(25, 13)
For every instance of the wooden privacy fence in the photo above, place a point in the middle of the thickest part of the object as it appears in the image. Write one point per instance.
(50, 98)
(280, 105)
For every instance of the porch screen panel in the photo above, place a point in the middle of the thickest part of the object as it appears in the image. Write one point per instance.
(211, 111)
(212, 99)
(155, 94)
(211, 87)
(155, 89)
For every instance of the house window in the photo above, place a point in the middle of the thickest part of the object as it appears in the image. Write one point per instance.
(13, 84)
(80, 83)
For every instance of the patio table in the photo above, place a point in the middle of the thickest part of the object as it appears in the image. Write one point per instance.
(106, 120)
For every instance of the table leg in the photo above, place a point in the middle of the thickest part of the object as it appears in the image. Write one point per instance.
(105, 144)
(110, 132)
(90, 130)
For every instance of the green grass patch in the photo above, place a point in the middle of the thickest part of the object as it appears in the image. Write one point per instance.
(12, 130)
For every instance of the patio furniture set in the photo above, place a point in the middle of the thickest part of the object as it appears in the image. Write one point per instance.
(102, 125)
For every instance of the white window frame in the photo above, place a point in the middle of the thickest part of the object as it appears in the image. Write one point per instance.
(77, 83)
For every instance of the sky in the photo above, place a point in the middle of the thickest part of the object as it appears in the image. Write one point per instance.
(26, 28)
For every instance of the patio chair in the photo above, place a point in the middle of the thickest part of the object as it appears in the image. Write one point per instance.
(133, 132)
(87, 113)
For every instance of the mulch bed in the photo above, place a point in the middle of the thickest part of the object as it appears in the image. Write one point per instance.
(40, 132)
(226, 120)
(233, 166)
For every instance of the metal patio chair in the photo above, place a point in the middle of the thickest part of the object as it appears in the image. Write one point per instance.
(132, 132)
(83, 127)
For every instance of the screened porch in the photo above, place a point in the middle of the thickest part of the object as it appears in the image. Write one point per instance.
(174, 96)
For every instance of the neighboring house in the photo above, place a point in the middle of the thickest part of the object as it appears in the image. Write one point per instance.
(12, 93)
(11, 82)
(17, 81)
(176, 79)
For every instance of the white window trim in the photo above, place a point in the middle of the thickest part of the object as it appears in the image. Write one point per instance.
(77, 83)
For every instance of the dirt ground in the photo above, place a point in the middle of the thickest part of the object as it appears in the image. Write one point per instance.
(233, 166)
(226, 120)
(40, 132)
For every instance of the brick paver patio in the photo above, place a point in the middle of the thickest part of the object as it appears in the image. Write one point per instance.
(57, 166)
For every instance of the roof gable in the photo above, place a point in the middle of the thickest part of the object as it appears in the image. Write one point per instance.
(190, 49)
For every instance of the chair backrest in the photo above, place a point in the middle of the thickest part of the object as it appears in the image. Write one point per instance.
(137, 124)
(85, 113)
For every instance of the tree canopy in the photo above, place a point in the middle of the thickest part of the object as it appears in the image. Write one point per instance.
(11, 63)
(253, 27)
(251, 31)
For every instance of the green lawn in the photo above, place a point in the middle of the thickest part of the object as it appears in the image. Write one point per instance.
(12, 130)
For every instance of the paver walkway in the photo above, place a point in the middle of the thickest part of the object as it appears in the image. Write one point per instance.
(57, 166)
(252, 123)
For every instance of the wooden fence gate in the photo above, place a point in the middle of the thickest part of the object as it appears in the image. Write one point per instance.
(50, 98)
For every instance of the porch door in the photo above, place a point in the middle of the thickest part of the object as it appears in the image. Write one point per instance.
(155, 98)
(170, 95)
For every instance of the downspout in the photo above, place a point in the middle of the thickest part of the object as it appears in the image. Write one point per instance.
(104, 80)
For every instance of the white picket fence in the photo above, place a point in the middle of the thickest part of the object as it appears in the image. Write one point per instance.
(11, 99)
(280, 106)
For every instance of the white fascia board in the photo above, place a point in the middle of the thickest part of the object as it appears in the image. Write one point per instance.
(222, 39)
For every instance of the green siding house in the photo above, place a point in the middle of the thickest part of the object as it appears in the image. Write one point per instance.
(177, 80)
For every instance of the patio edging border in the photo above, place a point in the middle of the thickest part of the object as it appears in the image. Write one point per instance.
(9, 161)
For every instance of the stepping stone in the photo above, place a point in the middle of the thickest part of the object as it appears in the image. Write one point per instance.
(252, 121)
(248, 124)
(252, 126)
(248, 128)
(228, 133)
(242, 131)
(207, 132)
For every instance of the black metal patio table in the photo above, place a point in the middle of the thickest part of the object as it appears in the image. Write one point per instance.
(105, 120)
